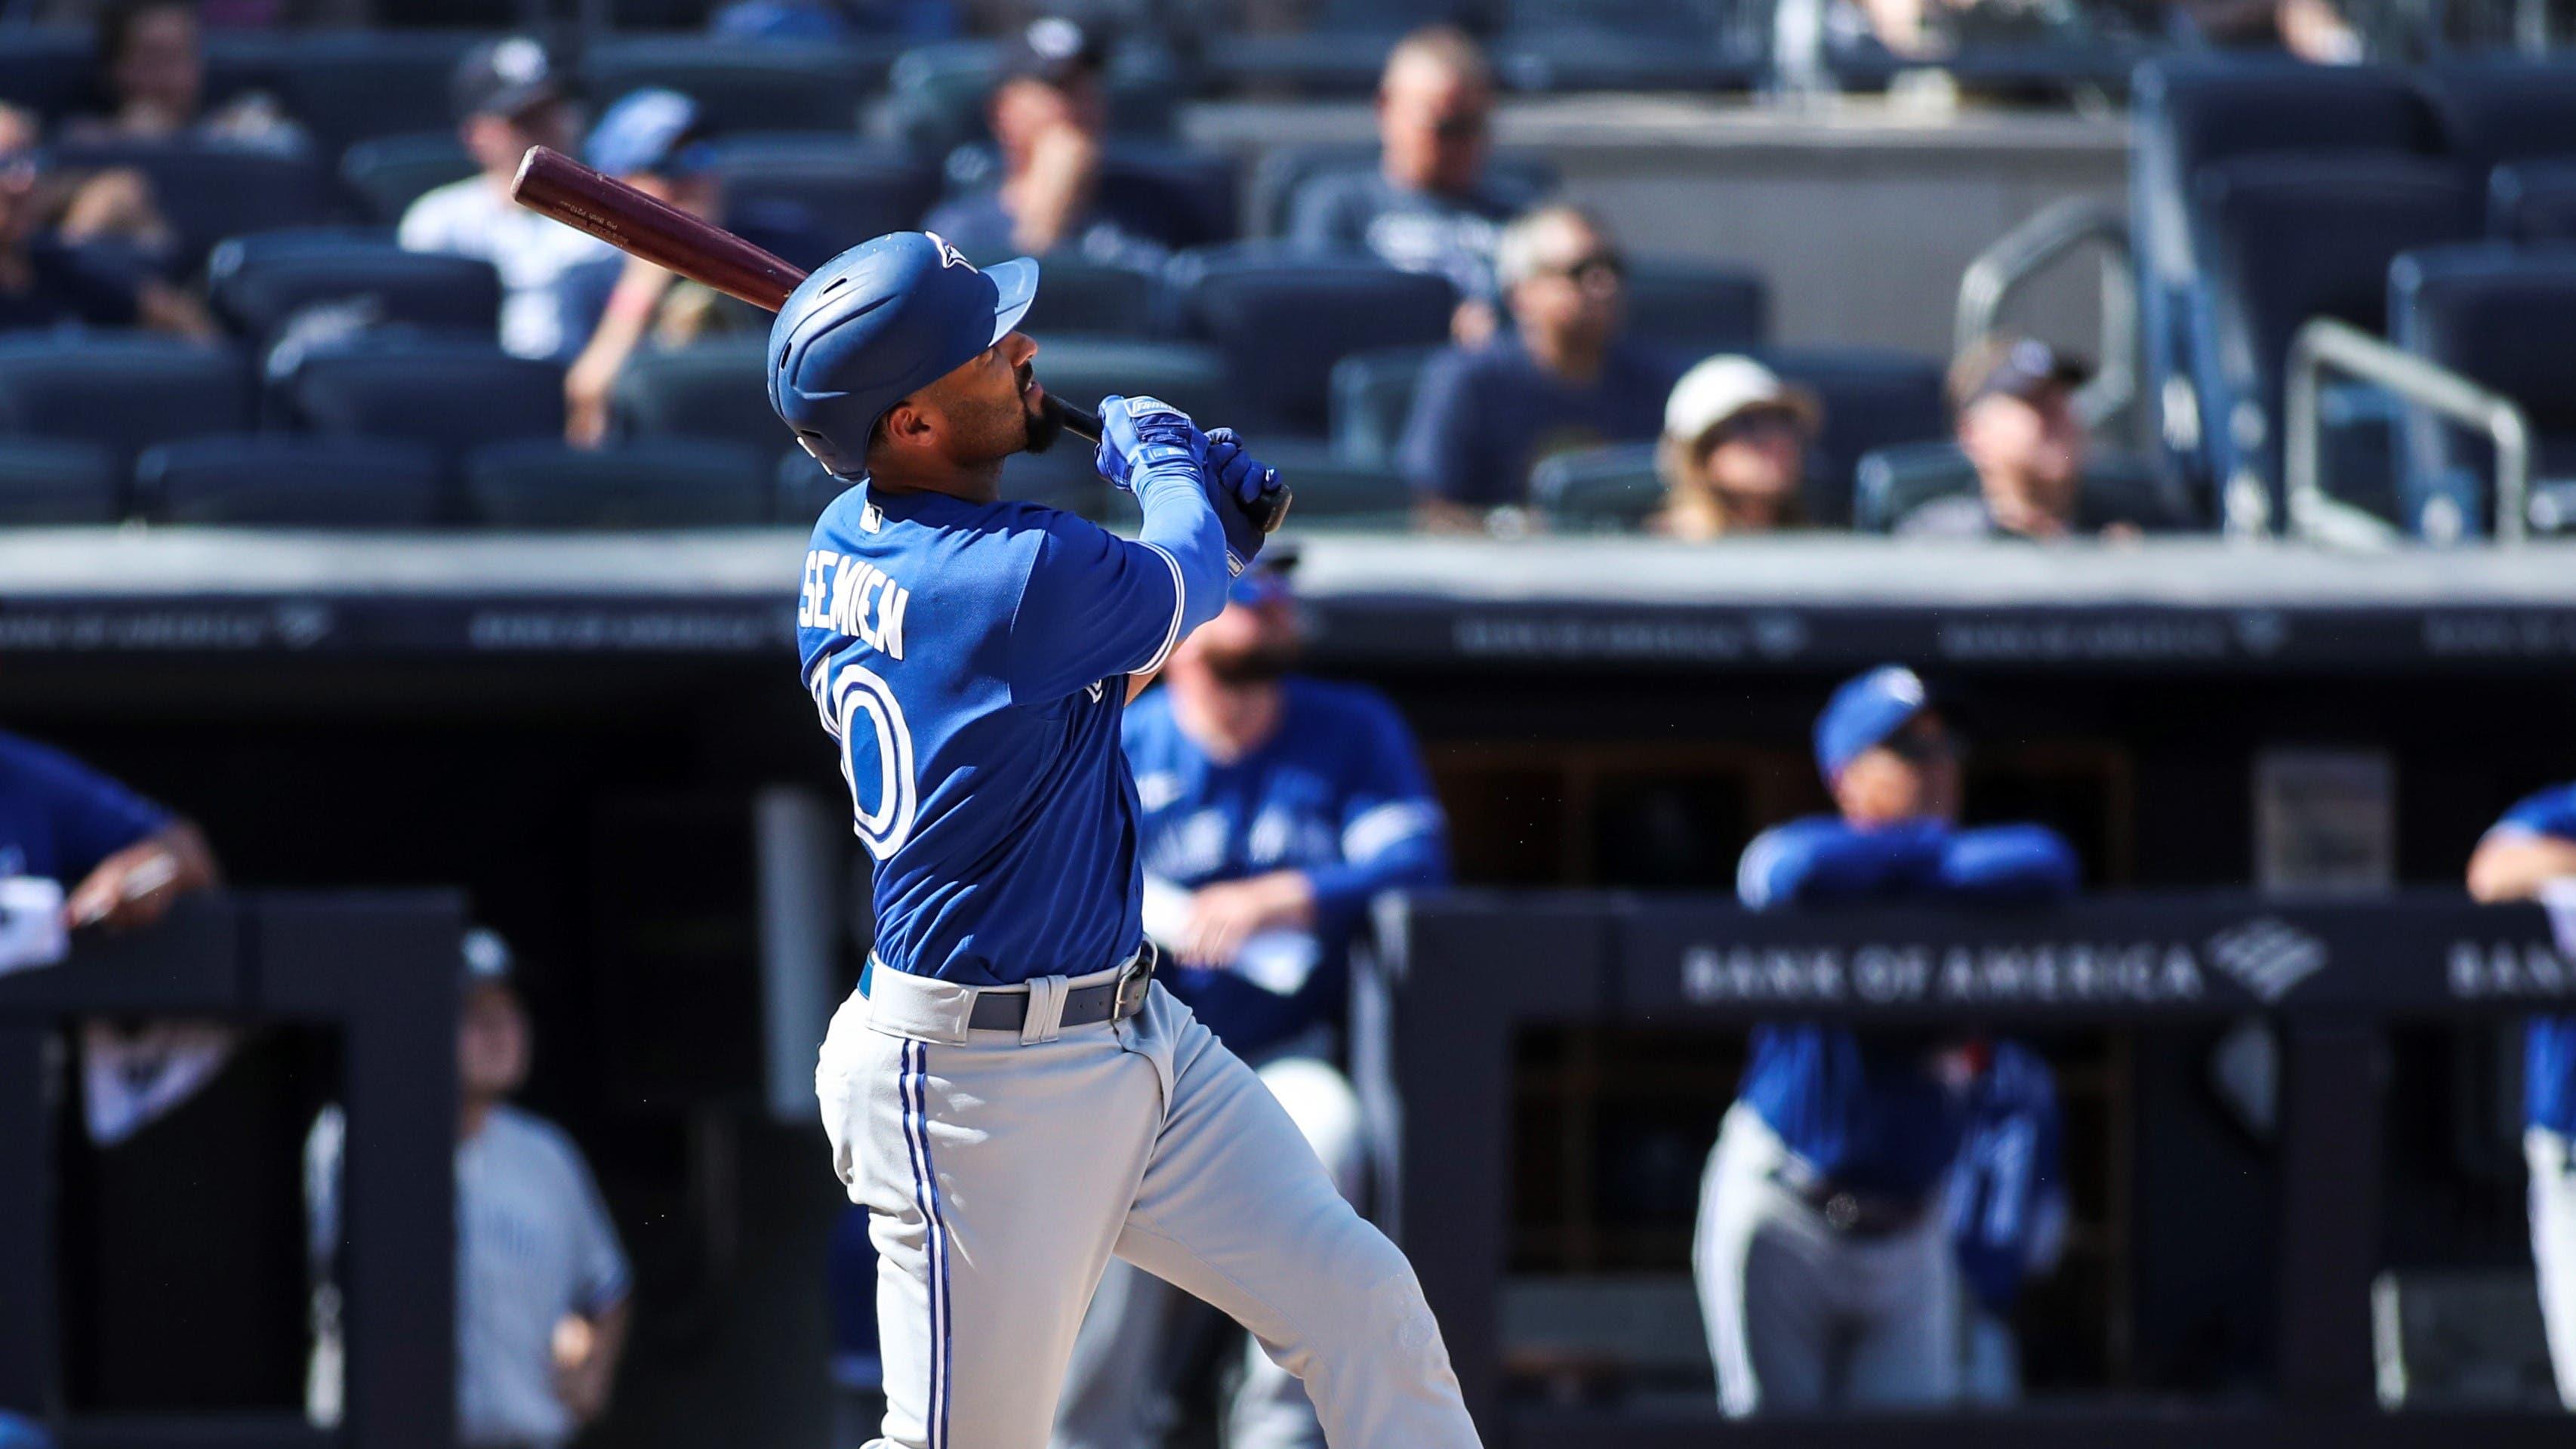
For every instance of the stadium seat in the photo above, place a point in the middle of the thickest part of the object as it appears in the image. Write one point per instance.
(2501, 317)
(1082, 369)
(389, 173)
(2532, 201)
(1283, 171)
(58, 481)
(45, 68)
(715, 389)
(1336, 493)
(1372, 398)
(746, 85)
(1893, 482)
(1872, 398)
(808, 196)
(1701, 305)
(1626, 45)
(1079, 295)
(1598, 490)
(664, 483)
(2499, 109)
(2292, 239)
(800, 490)
(1325, 62)
(1189, 197)
(124, 393)
(450, 395)
(349, 86)
(268, 480)
(1282, 320)
(211, 191)
(260, 281)
(936, 94)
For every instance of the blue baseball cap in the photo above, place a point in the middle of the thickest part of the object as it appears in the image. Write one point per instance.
(1864, 712)
(877, 323)
(654, 131)
(1268, 578)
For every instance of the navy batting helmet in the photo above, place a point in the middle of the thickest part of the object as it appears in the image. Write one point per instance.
(876, 323)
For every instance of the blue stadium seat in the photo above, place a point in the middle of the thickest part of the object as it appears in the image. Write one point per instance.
(258, 282)
(2532, 201)
(1079, 295)
(666, 483)
(1706, 306)
(1335, 492)
(1283, 319)
(2503, 318)
(1322, 62)
(45, 68)
(1609, 489)
(453, 396)
(1283, 171)
(124, 393)
(2290, 239)
(2189, 114)
(1873, 398)
(747, 85)
(1082, 368)
(354, 85)
(389, 173)
(269, 480)
(800, 490)
(58, 481)
(211, 191)
(1628, 45)
(2500, 109)
(714, 389)
(1372, 398)
(809, 196)
(1893, 482)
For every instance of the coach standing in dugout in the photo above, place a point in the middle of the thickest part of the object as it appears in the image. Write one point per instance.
(2530, 854)
(1826, 1274)
(1274, 809)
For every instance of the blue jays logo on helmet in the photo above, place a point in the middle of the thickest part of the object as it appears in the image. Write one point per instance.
(877, 323)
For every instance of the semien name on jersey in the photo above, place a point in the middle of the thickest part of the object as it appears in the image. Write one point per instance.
(853, 597)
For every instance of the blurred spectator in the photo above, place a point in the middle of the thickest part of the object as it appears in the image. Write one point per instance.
(2014, 401)
(542, 1301)
(1734, 451)
(80, 248)
(2530, 854)
(1276, 807)
(2311, 30)
(508, 98)
(1562, 379)
(653, 140)
(1048, 115)
(793, 20)
(1429, 206)
(120, 859)
(1825, 1271)
(152, 74)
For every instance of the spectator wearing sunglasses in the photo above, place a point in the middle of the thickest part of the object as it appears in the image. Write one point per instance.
(1564, 379)
(1734, 451)
(1428, 206)
(1826, 1275)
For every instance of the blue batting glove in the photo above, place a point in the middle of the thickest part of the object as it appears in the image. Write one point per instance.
(1141, 435)
(1235, 471)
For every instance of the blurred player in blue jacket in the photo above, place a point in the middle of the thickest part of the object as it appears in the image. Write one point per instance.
(1825, 1272)
(2007, 1212)
(1274, 809)
(2530, 854)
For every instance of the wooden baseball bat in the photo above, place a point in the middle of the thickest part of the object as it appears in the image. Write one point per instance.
(555, 185)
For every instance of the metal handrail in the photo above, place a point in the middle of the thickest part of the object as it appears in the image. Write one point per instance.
(2029, 249)
(2326, 343)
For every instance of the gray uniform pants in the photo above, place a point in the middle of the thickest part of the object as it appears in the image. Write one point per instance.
(1803, 1316)
(1003, 1170)
(2553, 1248)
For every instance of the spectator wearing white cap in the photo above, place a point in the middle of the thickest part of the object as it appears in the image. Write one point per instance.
(1733, 456)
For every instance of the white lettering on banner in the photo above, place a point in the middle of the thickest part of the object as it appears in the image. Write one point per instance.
(2508, 970)
(854, 598)
(1884, 973)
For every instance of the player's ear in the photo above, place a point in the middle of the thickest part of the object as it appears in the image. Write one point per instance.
(909, 425)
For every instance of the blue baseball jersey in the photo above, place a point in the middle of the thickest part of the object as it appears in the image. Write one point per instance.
(2549, 1042)
(59, 818)
(2008, 1200)
(1873, 1114)
(1338, 792)
(970, 661)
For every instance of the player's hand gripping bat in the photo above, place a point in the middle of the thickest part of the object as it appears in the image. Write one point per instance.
(553, 184)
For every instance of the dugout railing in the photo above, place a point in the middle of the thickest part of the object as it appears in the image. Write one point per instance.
(381, 971)
(1460, 977)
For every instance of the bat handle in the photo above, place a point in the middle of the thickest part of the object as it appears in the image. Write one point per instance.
(1267, 511)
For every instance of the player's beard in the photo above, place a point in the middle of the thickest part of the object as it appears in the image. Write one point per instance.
(1259, 664)
(1044, 424)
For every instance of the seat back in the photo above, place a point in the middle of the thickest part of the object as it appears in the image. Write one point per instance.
(2532, 202)
(936, 94)
(1282, 321)
(258, 282)
(1892, 482)
(1335, 492)
(45, 68)
(275, 481)
(665, 483)
(123, 393)
(355, 85)
(210, 190)
(746, 85)
(1702, 304)
(1284, 171)
(1079, 295)
(2503, 318)
(1872, 398)
(2498, 109)
(715, 389)
(59, 481)
(806, 197)
(1372, 400)
(449, 395)
(1612, 489)
(389, 173)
